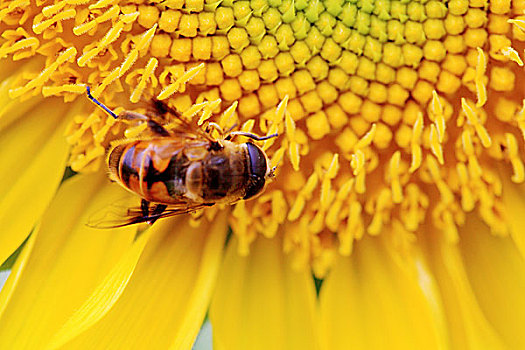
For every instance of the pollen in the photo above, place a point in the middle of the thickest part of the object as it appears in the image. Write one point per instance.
(388, 112)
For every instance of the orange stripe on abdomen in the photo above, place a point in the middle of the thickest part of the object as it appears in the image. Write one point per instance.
(130, 167)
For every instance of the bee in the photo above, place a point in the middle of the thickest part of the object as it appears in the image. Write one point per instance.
(184, 169)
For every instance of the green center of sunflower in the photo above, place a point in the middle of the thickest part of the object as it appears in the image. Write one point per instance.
(396, 111)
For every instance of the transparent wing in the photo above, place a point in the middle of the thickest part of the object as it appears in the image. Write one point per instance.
(182, 126)
(117, 215)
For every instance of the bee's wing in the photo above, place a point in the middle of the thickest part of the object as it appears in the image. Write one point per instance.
(118, 216)
(184, 127)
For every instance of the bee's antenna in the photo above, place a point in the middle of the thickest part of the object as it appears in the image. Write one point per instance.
(252, 136)
(95, 101)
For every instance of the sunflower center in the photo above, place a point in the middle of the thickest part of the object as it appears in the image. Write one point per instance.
(396, 111)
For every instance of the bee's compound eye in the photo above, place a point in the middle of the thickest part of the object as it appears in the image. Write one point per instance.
(257, 169)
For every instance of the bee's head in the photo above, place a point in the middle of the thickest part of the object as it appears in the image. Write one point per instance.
(258, 170)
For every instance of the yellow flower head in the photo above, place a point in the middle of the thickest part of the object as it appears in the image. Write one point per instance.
(395, 117)
(396, 111)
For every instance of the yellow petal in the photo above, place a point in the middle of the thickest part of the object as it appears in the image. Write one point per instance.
(261, 303)
(61, 264)
(496, 272)
(381, 297)
(104, 297)
(33, 152)
(468, 325)
(166, 298)
(514, 200)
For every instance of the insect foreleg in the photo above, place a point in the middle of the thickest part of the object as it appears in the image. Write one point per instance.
(144, 207)
(216, 127)
(156, 213)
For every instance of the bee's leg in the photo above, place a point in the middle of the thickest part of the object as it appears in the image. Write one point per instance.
(156, 213)
(144, 207)
(155, 127)
(219, 129)
(214, 126)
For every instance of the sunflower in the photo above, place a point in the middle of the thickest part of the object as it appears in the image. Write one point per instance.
(394, 220)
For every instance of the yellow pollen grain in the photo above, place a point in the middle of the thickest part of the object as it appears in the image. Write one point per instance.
(39, 27)
(520, 118)
(481, 89)
(367, 139)
(135, 131)
(277, 157)
(378, 221)
(146, 38)
(25, 43)
(129, 18)
(294, 155)
(17, 4)
(412, 207)
(130, 59)
(333, 217)
(416, 151)
(311, 185)
(279, 207)
(180, 83)
(50, 10)
(333, 168)
(111, 36)
(297, 208)
(447, 196)
(467, 197)
(101, 134)
(194, 109)
(110, 14)
(316, 225)
(45, 75)
(450, 228)
(435, 146)
(111, 77)
(208, 110)
(438, 114)
(474, 120)
(289, 127)
(280, 111)
(76, 2)
(228, 115)
(354, 228)
(146, 76)
(357, 161)
(468, 147)
(520, 23)
(397, 191)
(326, 192)
(466, 141)
(512, 55)
(57, 90)
(101, 4)
(304, 193)
(515, 160)
(274, 129)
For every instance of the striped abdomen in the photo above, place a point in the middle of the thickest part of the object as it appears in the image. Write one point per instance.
(154, 169)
